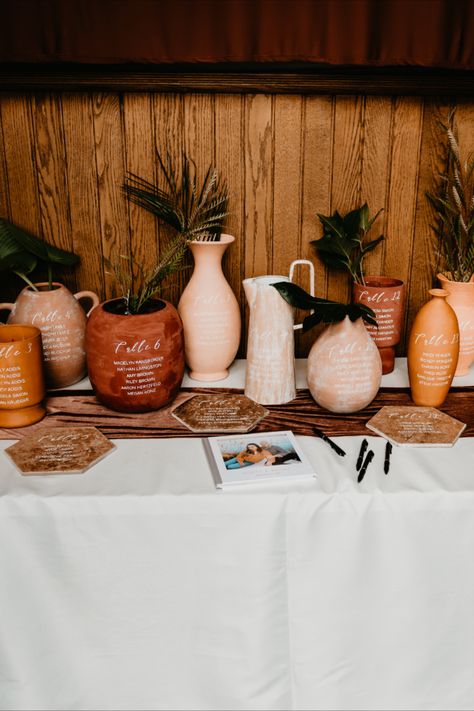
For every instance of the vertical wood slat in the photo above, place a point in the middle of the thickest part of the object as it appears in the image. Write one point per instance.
(376, 172)
(229, 160)
(109, 152)
(168, 120)
(258, 184)
(52, 181)
(346, 180)
(140, 160)
(316, 190)
(406, 142)
(80, 159)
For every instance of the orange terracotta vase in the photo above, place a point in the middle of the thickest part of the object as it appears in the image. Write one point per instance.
(22, 386)
(210, 313)
(461, 299)
(386, 297)
(433, 350)
(136, 362)
(344, 367)
(62, 322)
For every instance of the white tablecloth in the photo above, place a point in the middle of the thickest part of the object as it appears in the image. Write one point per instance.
(139, 586)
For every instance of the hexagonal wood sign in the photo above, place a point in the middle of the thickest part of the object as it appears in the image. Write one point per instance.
(59, 450)
(219, 413)
(412, 426)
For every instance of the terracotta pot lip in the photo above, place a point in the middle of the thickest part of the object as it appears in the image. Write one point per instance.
(223, 239)
(31, 332)
(127, 316)
(384, 281)
(55, 284)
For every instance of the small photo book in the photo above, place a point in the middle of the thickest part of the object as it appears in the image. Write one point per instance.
(256, 458)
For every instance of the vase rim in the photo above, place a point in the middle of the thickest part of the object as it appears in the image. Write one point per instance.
(223, 239)
(461, 284)
(30, 332)
(267, 279)
(55, 284)
(385, 282)
(120, 298)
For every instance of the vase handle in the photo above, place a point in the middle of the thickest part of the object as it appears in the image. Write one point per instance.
(6, 307)
(311, 281)
(88, 295)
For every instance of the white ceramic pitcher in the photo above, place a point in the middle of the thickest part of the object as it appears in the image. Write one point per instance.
(270, 375)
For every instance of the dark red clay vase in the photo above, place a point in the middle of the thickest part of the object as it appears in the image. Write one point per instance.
(386, 297)
(135, 361)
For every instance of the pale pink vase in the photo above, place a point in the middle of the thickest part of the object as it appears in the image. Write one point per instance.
(344, 367)
(210, 313)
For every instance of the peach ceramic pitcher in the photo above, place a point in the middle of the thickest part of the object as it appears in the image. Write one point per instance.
(62, 322)
(461, 299)
(270, 375)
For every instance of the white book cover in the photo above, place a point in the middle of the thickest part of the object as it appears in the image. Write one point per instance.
(256, 458)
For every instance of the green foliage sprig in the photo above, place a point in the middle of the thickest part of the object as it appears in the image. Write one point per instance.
(21, 253)
(344, 244)
(453, 203)
(324, 311)
(194, 209)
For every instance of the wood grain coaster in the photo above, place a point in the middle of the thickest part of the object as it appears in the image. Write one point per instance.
(59, 450)
(219, 413)
(300, 415)
(416, 426)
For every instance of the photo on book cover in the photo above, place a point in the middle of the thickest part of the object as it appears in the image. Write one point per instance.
(241, 459)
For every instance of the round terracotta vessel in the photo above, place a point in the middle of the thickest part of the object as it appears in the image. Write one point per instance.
(433, 350)
(386, 297)
(344, 367)
(22, 387)
(62, 322)
(210, 313)
(136, 362)
(461, 299)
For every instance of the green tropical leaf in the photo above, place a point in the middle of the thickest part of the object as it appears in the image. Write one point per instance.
(325, 311)
(370, 246)
(27, 242)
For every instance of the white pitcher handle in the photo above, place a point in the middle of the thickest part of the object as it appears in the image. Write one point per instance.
(88, 295)
(311, 281)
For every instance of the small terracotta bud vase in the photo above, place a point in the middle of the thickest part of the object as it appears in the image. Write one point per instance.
(22, 387)
(135, 361)
(210, 313)
(344, 367)
(461, 299)
(386, 297)
(62, 322)
(433, 350)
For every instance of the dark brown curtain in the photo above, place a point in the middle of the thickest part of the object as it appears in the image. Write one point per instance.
(423, 33)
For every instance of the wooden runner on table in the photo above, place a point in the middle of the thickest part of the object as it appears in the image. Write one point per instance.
(300, 415)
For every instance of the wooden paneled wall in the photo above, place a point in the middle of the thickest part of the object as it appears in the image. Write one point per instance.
(63, 157)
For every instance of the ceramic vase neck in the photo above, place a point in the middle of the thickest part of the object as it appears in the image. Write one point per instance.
(208, 255)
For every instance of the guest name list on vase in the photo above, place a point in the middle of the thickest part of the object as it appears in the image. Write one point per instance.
(138, 365)
(12, 384)
(435, 366)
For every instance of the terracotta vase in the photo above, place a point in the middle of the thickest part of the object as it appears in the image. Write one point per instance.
(461, 299)
(270, 371)
(210, 313)
(386, 297)
(433, 350)
(62, 322)
(344, 367)
(136, 362)
(22, 386)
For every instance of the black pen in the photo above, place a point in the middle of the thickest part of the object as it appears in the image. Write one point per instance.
(332, 444)
(363, 447)
(367, 460)
(388, 452)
